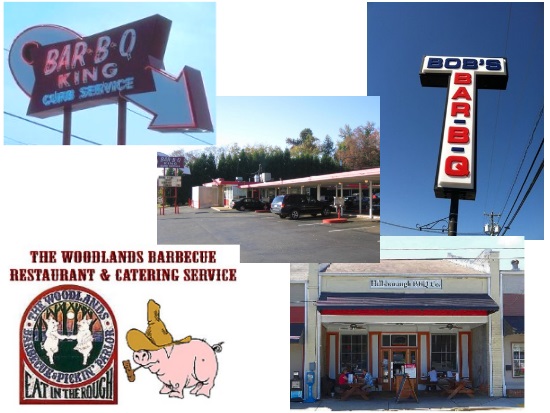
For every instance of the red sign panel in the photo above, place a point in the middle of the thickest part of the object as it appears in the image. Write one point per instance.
(170, 161)
(94, 70)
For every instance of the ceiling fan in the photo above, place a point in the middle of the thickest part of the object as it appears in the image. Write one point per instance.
(450, 326)
(353, 326)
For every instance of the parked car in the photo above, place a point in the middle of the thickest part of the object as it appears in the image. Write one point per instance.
(295, 205)
(352, 202)
(252, 204)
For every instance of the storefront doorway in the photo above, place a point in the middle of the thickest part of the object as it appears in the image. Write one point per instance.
(392, 364)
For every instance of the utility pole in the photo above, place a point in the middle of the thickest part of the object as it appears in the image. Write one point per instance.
(492, 228)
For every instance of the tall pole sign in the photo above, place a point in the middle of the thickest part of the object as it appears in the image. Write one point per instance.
(62, 72)
(462, 76)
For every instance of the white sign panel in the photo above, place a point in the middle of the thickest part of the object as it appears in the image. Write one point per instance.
(169, 181)
(404, 283)
(463, 76)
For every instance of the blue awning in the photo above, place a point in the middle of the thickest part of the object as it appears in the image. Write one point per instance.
(514, 325)
(296, 330)
(329, 301)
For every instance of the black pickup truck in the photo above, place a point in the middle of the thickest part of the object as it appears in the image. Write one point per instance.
(295, 205)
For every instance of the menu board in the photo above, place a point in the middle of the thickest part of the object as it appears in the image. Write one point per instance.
(410, 369)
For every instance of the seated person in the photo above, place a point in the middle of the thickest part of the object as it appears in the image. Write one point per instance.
(327, 385)
(369, 381)
(342, 384)
(433, 380)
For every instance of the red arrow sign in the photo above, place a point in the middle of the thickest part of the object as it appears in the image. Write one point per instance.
(178, 104)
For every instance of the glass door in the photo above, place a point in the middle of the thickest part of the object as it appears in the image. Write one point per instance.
(392, 364)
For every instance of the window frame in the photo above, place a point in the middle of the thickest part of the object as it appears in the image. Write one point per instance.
(521, 361)
(364, 352)
(455, 352)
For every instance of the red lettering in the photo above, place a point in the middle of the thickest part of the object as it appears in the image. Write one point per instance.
(51, 61)
(80, 49)
(457, 166)
(64, 59)
(62, 81)
(458, 134)
(463, 79)
(459, 107)
(462, 93)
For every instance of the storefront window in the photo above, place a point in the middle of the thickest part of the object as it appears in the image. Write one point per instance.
(353, 352)
(518, 353)
(389, 340)
(444, 352)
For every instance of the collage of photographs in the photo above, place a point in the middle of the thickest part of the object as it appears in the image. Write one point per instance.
(176, 173)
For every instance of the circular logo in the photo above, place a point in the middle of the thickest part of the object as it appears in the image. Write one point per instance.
(68, 337)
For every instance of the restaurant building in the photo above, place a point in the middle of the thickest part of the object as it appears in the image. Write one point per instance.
(401, 316)
(220, 192)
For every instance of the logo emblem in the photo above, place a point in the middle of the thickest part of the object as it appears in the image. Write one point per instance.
(68, 349)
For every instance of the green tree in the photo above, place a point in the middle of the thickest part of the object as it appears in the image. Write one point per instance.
(306, 144)
(327, 147)
(359, 148)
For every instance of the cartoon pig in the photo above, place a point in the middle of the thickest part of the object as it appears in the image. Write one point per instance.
(178, 364)
(191, 365)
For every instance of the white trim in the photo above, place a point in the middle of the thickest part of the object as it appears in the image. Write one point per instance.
(490, 334)
(401, 274)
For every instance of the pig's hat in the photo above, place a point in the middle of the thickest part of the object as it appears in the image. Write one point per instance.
(156, 336)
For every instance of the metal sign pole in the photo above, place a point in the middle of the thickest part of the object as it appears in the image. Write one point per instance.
(453, 215)
(67, 114)
(121, 137)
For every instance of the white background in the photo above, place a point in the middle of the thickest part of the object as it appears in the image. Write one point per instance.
(103, 198)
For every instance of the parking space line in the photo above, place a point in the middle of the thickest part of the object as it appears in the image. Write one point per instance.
(350, 229)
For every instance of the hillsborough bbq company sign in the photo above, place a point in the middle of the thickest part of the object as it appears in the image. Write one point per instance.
(456, 172)
(402, 283)
(60, 69)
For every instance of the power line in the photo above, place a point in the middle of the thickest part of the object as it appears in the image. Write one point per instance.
(49, 127)
(497, 108)
(541, 167)
(90, 141)
(523, 184)
(449, 249)
(15, 140)
(438, 231)
(524, 156)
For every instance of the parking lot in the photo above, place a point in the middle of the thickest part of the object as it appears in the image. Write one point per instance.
(264, 237)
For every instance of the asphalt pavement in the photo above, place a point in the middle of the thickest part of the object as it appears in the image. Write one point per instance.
(266, 238)
(386, 401)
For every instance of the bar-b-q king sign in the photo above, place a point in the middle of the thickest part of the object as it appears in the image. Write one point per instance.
(58, 68)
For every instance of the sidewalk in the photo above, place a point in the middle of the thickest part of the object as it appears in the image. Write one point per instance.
(386, 401)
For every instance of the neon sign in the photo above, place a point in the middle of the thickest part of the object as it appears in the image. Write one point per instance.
(463, 76)
(69, 70)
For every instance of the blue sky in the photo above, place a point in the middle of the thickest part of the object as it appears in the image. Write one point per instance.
(270, 120)
(399, 35)
(192, 42)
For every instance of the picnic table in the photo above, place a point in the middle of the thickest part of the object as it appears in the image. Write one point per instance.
(463, 386)
(355, 389)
